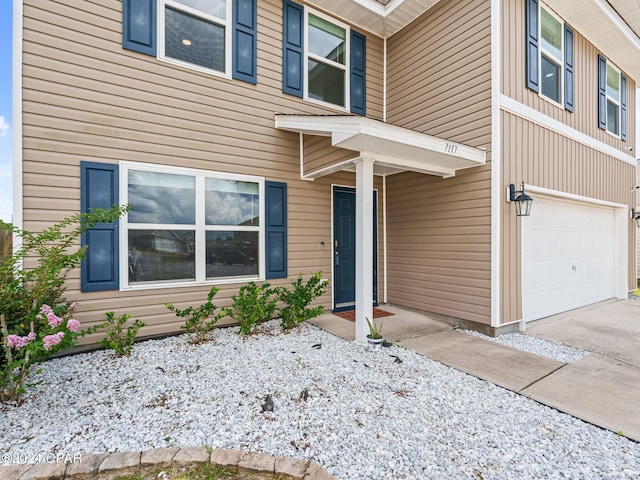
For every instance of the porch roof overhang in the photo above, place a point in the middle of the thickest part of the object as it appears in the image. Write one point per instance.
(393, 149)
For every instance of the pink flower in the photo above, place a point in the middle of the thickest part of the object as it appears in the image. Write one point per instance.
(72, 307)
(46, 309)
(51, 340)
(73, 325)
(14, 341)
(54, 320)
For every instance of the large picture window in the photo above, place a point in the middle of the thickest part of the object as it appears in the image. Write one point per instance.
(190, 226)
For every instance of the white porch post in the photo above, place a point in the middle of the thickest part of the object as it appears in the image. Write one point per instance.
(364, 246)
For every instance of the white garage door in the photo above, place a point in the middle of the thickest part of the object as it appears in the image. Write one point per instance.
(568, 255)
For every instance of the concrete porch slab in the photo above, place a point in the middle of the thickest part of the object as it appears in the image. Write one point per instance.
(599, 390)
(504, 366)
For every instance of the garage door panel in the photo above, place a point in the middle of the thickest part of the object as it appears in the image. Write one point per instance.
(568, 256)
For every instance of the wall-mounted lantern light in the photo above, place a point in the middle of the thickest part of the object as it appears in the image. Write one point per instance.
(522, 200)
(636, 216)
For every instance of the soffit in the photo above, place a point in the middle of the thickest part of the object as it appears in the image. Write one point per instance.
(613, 26)
(383, 17)
(394, 149)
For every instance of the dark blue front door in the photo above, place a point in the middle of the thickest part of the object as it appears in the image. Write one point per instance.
(344, 248)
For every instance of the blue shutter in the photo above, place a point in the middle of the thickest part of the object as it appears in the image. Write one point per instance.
(358, 71)
(568, 68)
(602, 92)
(99, 189)
(139, 26)
(276, 229)
(292, 48)
(531, 53)
(245, 44)
(623, 107)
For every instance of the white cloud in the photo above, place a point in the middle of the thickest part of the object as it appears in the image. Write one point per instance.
(4, 127)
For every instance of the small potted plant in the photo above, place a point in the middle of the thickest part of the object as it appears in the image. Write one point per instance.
(375, 333)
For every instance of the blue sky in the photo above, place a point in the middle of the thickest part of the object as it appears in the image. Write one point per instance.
(5, 109)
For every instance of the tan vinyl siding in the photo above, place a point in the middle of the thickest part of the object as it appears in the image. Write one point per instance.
(318, 153)
(439, 243)
(543, 158)
(86, 98)
(585, 117)
(439, 230)
(439, 73)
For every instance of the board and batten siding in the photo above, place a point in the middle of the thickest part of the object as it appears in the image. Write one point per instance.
(544, 158)
(585, 117)
(86, 98)
(439, 230)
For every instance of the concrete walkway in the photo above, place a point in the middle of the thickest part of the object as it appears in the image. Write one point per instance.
(602, 388)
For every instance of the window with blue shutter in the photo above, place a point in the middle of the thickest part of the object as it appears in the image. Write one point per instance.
(549, 55)
(245, 28)
(139, 26)
(276, 229)
(99, 189)
(292, 49)
(602, 92)
(194, 35)
(568, 68)
(358, 73)
(333, 57)
(623, 107)
(612, 99)
(531, 53)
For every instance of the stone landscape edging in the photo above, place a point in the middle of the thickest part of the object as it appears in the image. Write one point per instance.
(105, 466)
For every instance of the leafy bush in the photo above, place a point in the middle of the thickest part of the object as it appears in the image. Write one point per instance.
(200, 320)
(252, 306)
(297, 300)
(117, 339)
(35, 321)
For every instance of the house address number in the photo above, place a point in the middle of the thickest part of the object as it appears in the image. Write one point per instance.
(448, 148)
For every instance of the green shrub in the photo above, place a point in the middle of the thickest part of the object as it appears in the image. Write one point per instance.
(296, 309)
(35, 321)
(200, 321)
(252, 306)
(117, 339)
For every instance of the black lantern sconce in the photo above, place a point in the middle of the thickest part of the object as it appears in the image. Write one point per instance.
(636, 216)
(522, 200)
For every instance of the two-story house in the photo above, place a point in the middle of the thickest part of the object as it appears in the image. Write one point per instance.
(380, 142)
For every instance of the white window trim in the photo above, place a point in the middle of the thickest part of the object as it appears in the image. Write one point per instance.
(228, 34)
(550, 56)
(199, 227)
(613, 100)
(346, 66)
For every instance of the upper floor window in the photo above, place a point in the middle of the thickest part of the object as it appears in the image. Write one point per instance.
(213, 36)
(549, 55)
(324, 60)
(612, 99)
(327, 61)
(195, 32)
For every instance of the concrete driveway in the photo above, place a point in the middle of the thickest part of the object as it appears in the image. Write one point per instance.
(603, 388)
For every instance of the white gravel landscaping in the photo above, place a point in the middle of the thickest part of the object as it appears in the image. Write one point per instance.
(361, 413)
